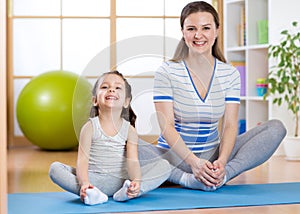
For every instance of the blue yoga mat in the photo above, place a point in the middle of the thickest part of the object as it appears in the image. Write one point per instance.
(160, 199)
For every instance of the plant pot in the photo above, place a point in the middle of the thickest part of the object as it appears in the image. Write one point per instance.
(292, 148)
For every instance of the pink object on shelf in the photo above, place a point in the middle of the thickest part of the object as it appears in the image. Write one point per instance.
(240, 66)
(262, 85)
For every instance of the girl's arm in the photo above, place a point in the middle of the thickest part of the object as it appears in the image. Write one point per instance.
(133, 165)
(85, 141)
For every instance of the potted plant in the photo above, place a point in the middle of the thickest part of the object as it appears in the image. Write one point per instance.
(284, 82)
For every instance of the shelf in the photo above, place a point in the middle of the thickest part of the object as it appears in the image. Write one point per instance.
(253, 109)
(238, 48)
(250, 47)
(260, 46)
(255, 98)
(234, 1)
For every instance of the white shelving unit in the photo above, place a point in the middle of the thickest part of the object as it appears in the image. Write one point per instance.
(255, 56)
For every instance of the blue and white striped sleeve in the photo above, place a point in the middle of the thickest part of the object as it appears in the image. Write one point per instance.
(234, 87)
(162, 91)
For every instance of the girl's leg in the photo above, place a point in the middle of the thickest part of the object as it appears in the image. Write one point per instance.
(255, 147)
(65, 177)
(153, 175)
(107, 183)
(104, 184)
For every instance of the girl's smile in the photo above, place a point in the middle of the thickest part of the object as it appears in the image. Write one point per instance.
(111, 97)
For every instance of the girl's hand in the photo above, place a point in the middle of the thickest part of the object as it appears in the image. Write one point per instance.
(133, 189)
(83, 189)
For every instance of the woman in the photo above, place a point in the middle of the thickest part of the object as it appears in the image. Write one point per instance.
(192, 93)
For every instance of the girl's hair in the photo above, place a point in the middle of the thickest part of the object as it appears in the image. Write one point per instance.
(194, 7)
(127, 113)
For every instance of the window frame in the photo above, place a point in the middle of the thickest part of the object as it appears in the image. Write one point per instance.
(21, 140)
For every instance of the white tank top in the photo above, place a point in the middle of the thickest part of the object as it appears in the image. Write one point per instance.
(107, 153)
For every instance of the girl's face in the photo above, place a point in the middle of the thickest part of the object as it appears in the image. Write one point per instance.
(199, 32)
(111, 92)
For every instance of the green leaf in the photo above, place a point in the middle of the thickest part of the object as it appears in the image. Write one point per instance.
(294, 23)
(283, 43)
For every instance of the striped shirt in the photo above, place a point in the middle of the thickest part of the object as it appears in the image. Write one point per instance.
(196, 118)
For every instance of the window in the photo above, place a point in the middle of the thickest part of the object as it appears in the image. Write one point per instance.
(134, 36)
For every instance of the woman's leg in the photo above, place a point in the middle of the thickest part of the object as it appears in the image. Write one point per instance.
(149, 153)
(154, 174)
(181, 173)
(255, 147)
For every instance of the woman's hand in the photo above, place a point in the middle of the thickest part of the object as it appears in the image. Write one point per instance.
(133, 189)
(83, 189)
(219, 169)
(210, 174)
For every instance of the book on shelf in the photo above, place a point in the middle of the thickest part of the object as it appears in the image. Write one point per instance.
(241, 67)
(242, 126)
(262, 26)
(242, 28)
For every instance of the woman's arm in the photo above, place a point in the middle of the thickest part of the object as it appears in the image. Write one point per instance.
(133, 164)
(200, 167)
(165, 116)
(85, 141)
(228, 138)
(229, 132)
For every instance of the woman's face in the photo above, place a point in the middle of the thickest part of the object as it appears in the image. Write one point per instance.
(200, 32)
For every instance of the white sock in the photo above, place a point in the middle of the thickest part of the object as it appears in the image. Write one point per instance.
(94, 196)
(223, 182)
(121, 194)
(188, 180)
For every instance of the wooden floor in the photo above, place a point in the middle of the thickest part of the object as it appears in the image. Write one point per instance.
(28, 172)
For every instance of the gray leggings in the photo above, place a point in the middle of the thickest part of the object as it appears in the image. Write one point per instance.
(153, 175)
(250, 150)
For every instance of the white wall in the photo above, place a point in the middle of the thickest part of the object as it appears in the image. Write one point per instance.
(143, 106)
(282, 14)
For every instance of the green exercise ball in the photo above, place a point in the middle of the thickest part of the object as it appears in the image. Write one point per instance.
(46, 109)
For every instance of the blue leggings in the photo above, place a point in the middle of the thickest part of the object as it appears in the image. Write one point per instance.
(250, 150)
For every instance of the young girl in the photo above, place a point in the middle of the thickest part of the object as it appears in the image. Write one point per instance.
(107, 163)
